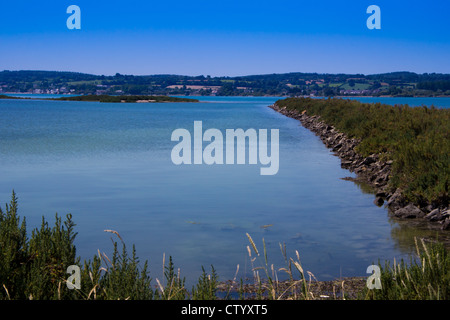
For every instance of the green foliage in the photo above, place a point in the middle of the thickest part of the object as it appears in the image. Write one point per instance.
(294, 83)
(174, 289)
(13, 251)
(124, 98)
(425, 278)
(417, 139)
(35, 268)
(123, 278)
(206, 287)
(4, 96)
(443, 85)
(51, 251)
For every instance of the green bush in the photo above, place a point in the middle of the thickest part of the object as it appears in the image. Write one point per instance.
(124, 98)
(36, 268)
(425, 278)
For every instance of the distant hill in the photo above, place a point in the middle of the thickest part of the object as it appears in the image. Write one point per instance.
(284, 84)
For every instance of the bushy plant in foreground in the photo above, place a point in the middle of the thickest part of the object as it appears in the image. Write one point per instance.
(36, 268)
(427, 277)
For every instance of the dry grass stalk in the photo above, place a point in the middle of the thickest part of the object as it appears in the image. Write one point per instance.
(253, 244)
(7, 293)
(93, 290)
(161, 288)
(115, 232)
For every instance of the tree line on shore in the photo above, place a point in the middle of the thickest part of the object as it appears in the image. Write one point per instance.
(286, 84)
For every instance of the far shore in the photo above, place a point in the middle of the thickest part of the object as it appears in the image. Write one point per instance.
(108, 98)
(274, 96)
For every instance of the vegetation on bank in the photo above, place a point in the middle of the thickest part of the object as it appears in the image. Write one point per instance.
(4, 96)
(36, 268)
(416, 139)
(124, 98)
(110, 98)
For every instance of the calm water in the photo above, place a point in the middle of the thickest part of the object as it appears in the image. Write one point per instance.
(109, 165)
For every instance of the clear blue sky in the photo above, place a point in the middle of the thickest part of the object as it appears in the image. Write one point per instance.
(225, 38)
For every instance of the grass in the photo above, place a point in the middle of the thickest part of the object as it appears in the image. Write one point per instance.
(36, 268)
(357, 86)
(427, 277)
(110, 98)
(125, 98)
(417, 139)
(4, 96)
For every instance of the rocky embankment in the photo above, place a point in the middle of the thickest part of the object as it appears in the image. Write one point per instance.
(371, 170)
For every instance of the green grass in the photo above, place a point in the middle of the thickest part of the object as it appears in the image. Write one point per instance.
(124, 98)
(426, 277)
(417, 139)
(109, 98)
(91, 82)
(4, 96)
(335, 85)
(357, 86)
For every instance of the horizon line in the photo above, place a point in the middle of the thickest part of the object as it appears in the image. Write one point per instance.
(223, 76)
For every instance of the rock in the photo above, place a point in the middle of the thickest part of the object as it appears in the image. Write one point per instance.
(378, 201)
(446, 224)
(410, 211)
(369, 160)
(346, 164)
(395, 200)
(335, 148)
(434, 215)
(446, 213)
(381, 194)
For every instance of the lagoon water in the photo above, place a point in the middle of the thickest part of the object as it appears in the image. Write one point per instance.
(109, 166)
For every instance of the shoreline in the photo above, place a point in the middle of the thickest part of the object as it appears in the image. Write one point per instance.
(107, 98)
(263, 95)
(370, 170)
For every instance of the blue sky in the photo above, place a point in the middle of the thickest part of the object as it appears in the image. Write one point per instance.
(225, 38)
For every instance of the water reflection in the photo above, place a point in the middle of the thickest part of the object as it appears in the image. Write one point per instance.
(404, 231)
(363, 186)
